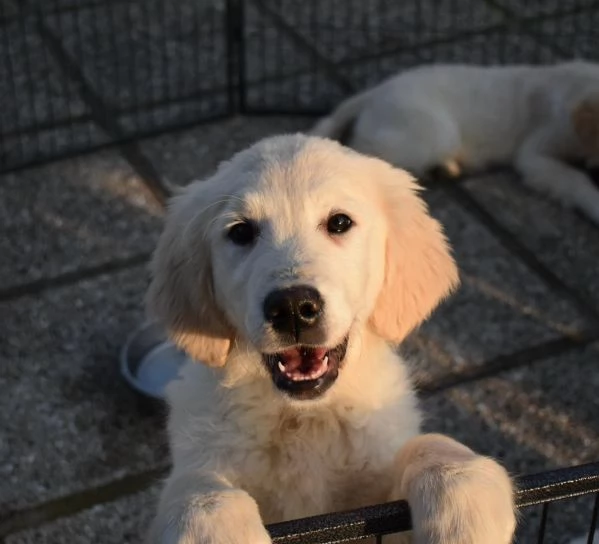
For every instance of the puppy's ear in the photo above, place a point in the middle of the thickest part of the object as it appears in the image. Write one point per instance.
(585, 118)
(419, 269)
(181, 293)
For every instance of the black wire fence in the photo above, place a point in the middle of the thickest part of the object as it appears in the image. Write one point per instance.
(376, 521)
(76, 75)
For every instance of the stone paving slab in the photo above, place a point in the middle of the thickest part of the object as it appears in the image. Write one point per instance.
(192, 154)
(532, 419)
(68, 420)
(124, 521)
(501, 306)
(72, 214)
(543, 415)
(564, 241)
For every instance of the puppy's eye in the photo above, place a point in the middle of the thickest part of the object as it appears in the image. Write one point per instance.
(243, 233)
(339, 223)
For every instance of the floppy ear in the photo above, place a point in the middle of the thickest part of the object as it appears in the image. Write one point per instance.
(181, 293)
(419, 269)
(585, 118)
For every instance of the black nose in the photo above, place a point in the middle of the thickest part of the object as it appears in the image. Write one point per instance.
(293, 310)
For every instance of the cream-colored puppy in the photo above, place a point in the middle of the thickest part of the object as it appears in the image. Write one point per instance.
(291, 273)
(465, 118)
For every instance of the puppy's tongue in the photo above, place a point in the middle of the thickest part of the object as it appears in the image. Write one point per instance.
(307, 363)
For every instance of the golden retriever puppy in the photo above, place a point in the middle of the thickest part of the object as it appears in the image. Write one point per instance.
(465, 118)
(291, 274)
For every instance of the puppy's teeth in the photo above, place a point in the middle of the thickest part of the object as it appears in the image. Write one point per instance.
(281, 366)
(325, 361)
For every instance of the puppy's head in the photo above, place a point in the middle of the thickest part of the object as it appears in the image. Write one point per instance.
(289, 251)
(585, 119)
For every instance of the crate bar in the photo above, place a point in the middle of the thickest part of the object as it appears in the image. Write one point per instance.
(557, 484)
(394, 517)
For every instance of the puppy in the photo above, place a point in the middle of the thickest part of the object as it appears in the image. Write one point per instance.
(465, 118)
(291, 274)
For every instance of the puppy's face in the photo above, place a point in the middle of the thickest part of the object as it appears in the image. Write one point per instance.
(289, 250)
(292, 253)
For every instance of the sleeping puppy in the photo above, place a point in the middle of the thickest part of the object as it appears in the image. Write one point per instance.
(465, 118)
(291, 274)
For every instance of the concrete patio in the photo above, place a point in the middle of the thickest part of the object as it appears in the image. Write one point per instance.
(509, 365)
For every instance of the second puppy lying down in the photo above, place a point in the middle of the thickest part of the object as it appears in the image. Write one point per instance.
(465, 118)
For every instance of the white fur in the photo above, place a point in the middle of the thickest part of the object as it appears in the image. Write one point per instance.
(244, 453)
(465, 118)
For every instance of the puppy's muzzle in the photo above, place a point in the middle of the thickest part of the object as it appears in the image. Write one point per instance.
(295, 313)
(306, 365)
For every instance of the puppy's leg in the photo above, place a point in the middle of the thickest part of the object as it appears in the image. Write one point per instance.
(543, 172)
(455, 495)
(201, 508)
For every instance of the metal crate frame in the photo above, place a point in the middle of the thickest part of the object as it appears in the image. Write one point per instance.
(376, 521)
(79, 75)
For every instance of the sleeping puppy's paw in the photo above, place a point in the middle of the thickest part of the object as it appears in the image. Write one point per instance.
(455, 495)
(215, 518)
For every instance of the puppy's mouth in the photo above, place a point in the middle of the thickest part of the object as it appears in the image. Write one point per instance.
(305, 372)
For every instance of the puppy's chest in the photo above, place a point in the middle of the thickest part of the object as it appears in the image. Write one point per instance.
(307, 466)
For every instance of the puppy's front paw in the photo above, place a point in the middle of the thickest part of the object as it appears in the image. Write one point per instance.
(456, 496)
(219, 518)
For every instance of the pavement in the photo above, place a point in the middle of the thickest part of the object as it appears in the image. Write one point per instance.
(508, 365)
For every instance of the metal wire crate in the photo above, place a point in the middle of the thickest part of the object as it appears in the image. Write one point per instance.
(543, 490)
(326, 49)
(76, 75)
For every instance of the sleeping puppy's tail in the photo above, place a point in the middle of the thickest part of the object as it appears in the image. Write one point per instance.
(337, 123)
